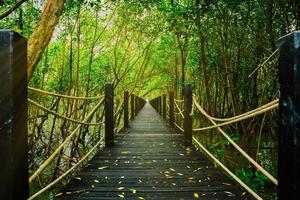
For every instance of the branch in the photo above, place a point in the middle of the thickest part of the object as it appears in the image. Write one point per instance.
(12, 9)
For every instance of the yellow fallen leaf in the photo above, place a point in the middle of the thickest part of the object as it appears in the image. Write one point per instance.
(173, 170)
(104, 167)
(196, 195)
(78, 178)
(120, 188)
(121, 196)
(141, 198)
(133, 191)
(96, 181)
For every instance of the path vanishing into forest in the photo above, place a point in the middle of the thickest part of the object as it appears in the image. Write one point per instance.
(149, 161)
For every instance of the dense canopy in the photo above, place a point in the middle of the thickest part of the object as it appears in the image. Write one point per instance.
(227, 50)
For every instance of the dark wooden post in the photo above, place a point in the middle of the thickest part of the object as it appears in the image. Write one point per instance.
(109, 115)
(13, 116)
(187, 117)
(171, 108)
(289, 117)
(136, 105)
(132, 107)
(126, 121)
(159, 105)
(164, 111)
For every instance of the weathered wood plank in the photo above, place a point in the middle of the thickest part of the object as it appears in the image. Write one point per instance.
(151, 159)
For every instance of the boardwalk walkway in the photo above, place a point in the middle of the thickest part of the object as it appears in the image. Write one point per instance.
(149, 161)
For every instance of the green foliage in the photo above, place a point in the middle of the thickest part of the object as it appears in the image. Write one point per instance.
(255, 180)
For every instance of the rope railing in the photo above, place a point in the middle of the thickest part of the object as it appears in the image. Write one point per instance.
(61, 116)
(241, 118)
(179, 100)
(67, 172)
(274, 102)
(60, 147)
(193, 106)
(251, 160)
(179, 110)
(44, 92)
(181, 129)
(237, 179)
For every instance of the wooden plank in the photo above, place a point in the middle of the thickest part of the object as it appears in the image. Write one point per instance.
(155, 164)
(13, 116)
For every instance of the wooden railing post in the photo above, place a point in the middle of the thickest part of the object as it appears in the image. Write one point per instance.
(126, 121)
(156, 104)
(164, 112)
(159, 105)
(132, 107)
(289, 117)
(13, 116)
(187, 117)
(109, 115)
(171, 108)
(136, 105)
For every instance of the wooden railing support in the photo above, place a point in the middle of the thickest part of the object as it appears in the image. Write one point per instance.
(171, 108)
(136, 105)
(164, 106)
(126, 120)
(13, 116)
(289, 117)
(159, 105)
(132, 107)
(109, 115)
(187, 126)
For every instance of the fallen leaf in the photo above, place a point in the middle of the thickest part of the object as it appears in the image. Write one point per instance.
(104, 167)
(226, 184)
(120, 188)
(133, 191)
(196, 195)
(121, 196)
(173, 170)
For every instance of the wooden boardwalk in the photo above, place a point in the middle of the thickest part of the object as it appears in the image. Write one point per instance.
(149, 161)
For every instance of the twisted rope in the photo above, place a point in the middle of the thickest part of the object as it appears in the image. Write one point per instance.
(259, 112)
(258, 166)
(61, 116)
(56, 152)
(237, 179)
(180, 111)
(44, 92)
(66, 173)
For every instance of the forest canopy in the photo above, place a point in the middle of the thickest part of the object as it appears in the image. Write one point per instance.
(227, 50)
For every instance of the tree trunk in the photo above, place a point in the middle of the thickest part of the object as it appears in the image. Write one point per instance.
(42, 34)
